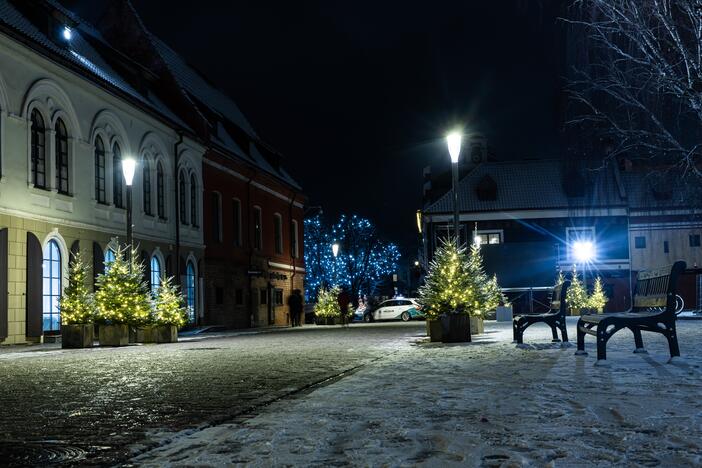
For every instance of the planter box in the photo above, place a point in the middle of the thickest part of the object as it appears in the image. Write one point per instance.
(433, 330)
(503, 314)
(455, 328)
(143, 334)
(574, 312)
(328, 320)
(77, 336)
(166, 333)
(477, 326)
(114, 335)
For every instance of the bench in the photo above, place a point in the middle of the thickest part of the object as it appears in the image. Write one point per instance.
(653, 311)
(555, 317)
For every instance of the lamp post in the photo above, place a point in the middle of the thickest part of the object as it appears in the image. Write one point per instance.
(128, 168)
(453, 140)
(584, 252)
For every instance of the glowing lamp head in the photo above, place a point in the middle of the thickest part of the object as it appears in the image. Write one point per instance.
(335, 249)
(416, 263)
(128, 168)
(453, 140)
(67, 33)
(584, 251)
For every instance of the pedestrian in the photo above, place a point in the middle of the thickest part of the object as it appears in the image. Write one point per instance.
(344, 299)
(295, 304)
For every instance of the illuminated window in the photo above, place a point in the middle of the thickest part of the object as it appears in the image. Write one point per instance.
(484, 238)
(109, 258)
(190, 291)
(155, 274)
(38, 150)
(51, 273)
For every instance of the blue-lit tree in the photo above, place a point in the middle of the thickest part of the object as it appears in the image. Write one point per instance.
(363, 261)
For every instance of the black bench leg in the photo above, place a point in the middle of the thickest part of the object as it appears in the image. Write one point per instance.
(564, 331)
(581, 341)
(554, 333)
(601, 343)
(517, 331)
(638, 340)
(672, 336)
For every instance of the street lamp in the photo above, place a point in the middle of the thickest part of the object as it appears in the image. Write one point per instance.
(583, 251)
(453, 140)
(335, 249)
(128, 169)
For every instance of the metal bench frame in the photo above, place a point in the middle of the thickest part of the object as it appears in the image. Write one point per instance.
(555, 318)
(653, 311)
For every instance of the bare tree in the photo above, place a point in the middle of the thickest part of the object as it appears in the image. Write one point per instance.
(639, 85)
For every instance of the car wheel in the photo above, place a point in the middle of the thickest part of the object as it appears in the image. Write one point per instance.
(405, 316)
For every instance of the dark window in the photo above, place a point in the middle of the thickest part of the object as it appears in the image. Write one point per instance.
(216, 217)
(146, 175)
(694, 240)
(219, 295)
(38, 150)
(278, 297)
(666, 248)
(239, 297)
(236, 220)
(160, 192)
(278, 231)
(193, 200)
(640, 242)
(263, 296)
(99, 170)
(61, 157)
(404, 303)
(181, 198)
(258, 229)
(117, 177)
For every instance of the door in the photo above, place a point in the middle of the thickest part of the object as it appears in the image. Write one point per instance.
(385, 310)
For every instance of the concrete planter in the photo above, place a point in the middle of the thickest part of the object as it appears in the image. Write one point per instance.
(477, 326)
(114, 335)
(166, 333)
(455, 328)
(77, 336)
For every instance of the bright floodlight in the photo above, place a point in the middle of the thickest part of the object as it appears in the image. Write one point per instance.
(584, 251)
(416, 263)
(335, 249)
(453, 140)
(128, 168)
(67, 34)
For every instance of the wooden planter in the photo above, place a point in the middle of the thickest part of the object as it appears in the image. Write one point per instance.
(77, 336)
(455, 328)
(477, 327)
(328, 320)
(433, 330)
(166, 333)
(574, 311)
(114, 335)
(145, 334)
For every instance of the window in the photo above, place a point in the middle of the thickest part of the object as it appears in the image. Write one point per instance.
(279, 297)
(278, 230)
(193, 200)
(694, 240)
(61, 157)
(258, 230)
(109, 258)
(492, 238)
(294, 240)
(160, 192)
(51, 287)
(190, 291)
(155, 273)
(100, 171)
(117, 177)
(640, 242)
(236, 221)
(38, 150)
(146, 176)
(216, 202)
(239, 297)
(666, 248)
(181, 198)
(219, 295)
(263, 296)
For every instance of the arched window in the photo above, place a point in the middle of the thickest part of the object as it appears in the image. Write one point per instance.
(146, 175)
(278, 233)
(190, 291)
(117, 177)
(109, 258)
(181, 198)
(193, 200)
(38, 150)
(155, 273)
(100, 171)
(160, 192)
(52, 287)
(61, 157)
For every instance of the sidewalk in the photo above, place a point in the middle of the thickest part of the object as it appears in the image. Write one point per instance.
(487, 403)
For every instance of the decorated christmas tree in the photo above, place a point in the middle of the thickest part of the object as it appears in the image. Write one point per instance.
(489, 295)
(577, 294)
(169, 305)
(448, 284)
(77, 304)
(327, 303)
(122, 295)
(598, 299)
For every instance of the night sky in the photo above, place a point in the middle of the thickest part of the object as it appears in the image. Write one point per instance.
(358, 94)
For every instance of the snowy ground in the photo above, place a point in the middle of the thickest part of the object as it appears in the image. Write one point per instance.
(487, 403)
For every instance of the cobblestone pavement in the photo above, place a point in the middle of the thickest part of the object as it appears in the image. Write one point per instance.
(88, 406)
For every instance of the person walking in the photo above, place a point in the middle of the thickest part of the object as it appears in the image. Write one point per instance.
(295, 304)
(344, 299)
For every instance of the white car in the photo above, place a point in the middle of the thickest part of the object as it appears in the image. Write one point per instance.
(400, 308)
